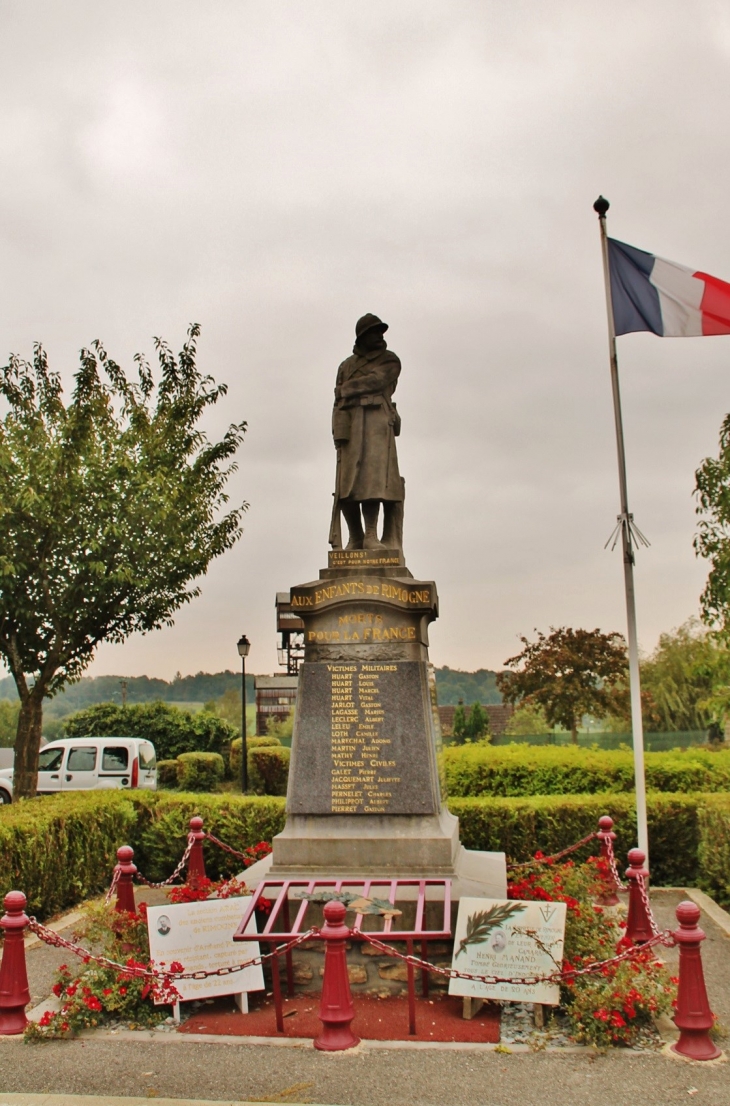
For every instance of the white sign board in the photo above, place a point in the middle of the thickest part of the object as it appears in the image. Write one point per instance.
(511, 939)
(199, 935)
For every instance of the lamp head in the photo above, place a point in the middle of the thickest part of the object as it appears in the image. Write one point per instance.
(243, 646)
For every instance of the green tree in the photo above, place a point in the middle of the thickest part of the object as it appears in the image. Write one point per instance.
(111, 507)
(172, 731)
(478, 722)
(459, 724)
(526, 721)
(568, 673)
(712, 491)
(683, 682)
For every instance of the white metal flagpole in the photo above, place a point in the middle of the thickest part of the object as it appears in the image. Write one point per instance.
(628, 534)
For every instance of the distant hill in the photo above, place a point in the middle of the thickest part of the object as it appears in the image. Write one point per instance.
(140, 689)
(452, 684)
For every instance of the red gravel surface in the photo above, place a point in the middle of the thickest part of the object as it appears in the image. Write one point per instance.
(376, 1019)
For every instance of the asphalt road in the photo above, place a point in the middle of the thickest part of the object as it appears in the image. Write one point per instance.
(371, 1078)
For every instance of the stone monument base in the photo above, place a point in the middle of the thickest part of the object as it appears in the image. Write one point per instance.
(382, 847)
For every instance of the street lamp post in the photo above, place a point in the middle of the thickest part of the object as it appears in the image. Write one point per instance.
(243, 646)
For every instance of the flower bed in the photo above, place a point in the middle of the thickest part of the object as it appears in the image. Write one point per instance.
(615, 1005)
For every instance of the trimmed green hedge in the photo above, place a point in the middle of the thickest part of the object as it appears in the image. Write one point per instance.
(520, 826)
(162, 828)
(61, 849)
(252, 743)
(474, 770)
(200, 771)
(268, 770)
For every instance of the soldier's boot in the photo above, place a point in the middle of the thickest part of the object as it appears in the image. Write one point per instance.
(351, 511)
(393, 524)
(370, 511)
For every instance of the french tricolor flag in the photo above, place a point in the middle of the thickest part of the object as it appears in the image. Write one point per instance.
(670, 300)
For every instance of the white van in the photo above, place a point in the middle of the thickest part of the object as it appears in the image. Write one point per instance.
(91, 764)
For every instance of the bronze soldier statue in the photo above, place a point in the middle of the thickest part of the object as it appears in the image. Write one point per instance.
(365, 424)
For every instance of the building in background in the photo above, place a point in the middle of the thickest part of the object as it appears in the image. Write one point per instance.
(498, 714)
(275, 698)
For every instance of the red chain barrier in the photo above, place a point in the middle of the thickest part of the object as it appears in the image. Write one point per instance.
(14, 992)
(693, 1019)
(50, 937)
(640, 924)
(666, 939)
(555, 856)
(607, 837)
(125, 873)
(196, 863)
(335, 1009)
(227, 848)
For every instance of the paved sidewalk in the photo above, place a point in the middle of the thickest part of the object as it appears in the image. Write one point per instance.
(231, 1072)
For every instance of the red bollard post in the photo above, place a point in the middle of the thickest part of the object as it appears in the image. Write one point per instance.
(607, 837)
(14, 993)
(125, 883)
(196, 860)
(335, 1009)
(693, 1018)
(638, 926)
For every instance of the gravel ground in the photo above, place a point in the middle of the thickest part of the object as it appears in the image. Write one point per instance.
(173, 1067)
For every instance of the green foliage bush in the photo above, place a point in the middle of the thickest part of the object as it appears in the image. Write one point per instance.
(162, 828)
(474, 770)
(167, 773)
(60, 849)
(171, 731)
(200, 771)
(251, 743)
(519, 826)
(268, 770)
(714, 847)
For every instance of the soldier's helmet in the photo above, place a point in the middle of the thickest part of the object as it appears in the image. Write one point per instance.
(369, 322)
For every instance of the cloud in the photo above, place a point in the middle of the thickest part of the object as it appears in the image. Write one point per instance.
(273, 171)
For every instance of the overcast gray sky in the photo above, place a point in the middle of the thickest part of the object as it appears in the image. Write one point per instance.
(273, 170)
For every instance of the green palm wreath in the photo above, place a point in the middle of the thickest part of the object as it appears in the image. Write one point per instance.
(480, 925)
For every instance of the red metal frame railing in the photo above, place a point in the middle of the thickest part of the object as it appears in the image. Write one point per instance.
(290, 895)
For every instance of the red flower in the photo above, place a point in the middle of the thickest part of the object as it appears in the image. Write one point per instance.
(93, 1003)
(176, 966)
(57, 989)
(45, 1019)
(122, 990)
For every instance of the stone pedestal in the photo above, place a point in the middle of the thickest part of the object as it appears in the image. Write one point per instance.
(364, 797)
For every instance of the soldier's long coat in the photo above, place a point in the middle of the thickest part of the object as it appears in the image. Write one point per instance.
(365, 424)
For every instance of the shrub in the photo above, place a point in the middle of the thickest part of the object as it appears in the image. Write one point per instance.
(167, 773)
(520, 825)
(714, 847)
(200, 771)
(171, 731)
(268, 770)
(475, 770)
(239, 820)
(251, 743)
(60, 849)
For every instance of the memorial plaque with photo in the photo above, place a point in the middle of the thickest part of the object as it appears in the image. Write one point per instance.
(364, 740)
(511, 939)
(199, 935)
